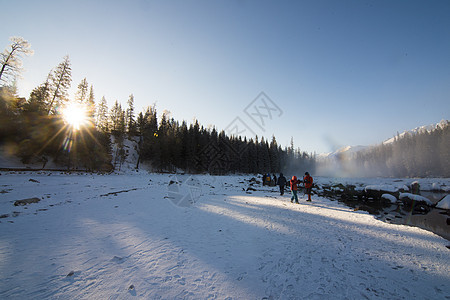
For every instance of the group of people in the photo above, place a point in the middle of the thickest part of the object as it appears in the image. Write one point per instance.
(270, 180)
(295, 184)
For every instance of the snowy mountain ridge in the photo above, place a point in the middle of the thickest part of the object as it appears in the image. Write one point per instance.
(349, 150)
(427, 128)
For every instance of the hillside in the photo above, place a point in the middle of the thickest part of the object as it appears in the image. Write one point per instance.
(420, 152)
(350, 150)
(422, 129)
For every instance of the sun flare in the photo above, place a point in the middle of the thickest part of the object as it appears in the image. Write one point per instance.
(75, 115)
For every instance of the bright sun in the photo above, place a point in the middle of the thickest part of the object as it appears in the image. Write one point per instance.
(75, 115)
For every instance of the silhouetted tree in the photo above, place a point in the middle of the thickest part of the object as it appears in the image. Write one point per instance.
(11, 59)
(60, 83)
(130, 121)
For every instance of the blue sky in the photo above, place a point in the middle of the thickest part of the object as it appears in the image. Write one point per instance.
(338, 72)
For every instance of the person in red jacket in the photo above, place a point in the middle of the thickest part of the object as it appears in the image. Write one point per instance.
(294, 187)
(308, 180)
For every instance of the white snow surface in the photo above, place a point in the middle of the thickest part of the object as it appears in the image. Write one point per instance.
(122, 237)
(384, 187)
(417, 198)
(444, 203)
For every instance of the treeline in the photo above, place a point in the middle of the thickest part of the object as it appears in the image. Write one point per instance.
(35, 130)
(169, 145)
(419, 154)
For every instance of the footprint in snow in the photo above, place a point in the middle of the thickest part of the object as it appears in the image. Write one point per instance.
(118, 259)
(241, 276)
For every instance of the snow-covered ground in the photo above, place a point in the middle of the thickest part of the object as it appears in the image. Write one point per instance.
(160, 236)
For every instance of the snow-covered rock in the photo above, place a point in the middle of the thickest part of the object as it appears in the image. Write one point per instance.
(416, 198)
(386, 188)
(444, 203)
(435, 186)
(389, 197)
(438, 187)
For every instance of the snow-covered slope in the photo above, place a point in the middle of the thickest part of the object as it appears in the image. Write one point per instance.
(428, 128)
(347, 150)
(129, 162)
(350, 150)
(125, 237)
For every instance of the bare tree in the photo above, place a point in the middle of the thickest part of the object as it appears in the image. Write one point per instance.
(11, 58)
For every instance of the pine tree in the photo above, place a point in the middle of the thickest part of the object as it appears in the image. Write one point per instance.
(81, 95)
(148, 127)
(102, 116)
(39, 98)
(273, 155)
(91, 103)
(60, 83)
(117, 119)
(130, 121)
(9, 127)
(183, 145)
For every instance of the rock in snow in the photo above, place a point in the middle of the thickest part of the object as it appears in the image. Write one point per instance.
(416, 198)
(26, 201)
(389, 197)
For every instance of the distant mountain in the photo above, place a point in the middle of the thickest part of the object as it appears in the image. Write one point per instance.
(428, 128)
(347, 150)
(350, 150)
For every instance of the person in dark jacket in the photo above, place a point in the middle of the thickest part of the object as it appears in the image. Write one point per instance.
(266, 179)
(281, 183)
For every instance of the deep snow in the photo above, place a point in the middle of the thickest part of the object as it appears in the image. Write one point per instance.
(137, 236)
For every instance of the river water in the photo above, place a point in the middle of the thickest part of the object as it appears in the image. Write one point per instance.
(436, 220)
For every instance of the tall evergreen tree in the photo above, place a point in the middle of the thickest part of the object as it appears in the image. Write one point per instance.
(39, 98)
(148, 127)
(91, 103)
(117, 119)
(81, 95)
(102, 116)
(130, 121)
(60, 83)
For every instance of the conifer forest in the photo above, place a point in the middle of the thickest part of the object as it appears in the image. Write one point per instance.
(35, 129)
